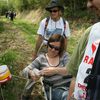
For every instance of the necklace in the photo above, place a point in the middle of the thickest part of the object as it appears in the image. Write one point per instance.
(54, 62)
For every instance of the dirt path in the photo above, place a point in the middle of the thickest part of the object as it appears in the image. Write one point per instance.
(13, 39)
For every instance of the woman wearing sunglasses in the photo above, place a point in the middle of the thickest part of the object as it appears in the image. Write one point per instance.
(51, 65)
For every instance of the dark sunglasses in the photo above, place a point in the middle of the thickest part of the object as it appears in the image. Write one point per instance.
(53, 11)
(54, 47)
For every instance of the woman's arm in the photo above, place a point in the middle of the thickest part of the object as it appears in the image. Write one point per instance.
(54, 70)
(71, 89)
(32, 70)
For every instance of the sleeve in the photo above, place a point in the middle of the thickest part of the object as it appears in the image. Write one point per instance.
(41, 27)
(77, 55)
(65, 58)
(34, 66)
(67, 30)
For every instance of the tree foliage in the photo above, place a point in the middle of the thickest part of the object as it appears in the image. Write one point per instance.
(21, 5)
(3, 7)
(73, 8)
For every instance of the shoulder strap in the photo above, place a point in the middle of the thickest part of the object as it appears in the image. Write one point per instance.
(46, 23)
(64, 22)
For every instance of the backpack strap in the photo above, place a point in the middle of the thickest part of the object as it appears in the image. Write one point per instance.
(64, 22)
(46, 23)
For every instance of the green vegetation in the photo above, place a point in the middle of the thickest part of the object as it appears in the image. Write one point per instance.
(73, 8)
(29, 30)
(1, 27)
(77, 29)
(9, 57)
(17, 38)
(17, 41)
(16, 45)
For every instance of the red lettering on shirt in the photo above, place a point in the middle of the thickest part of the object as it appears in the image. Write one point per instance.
(86, 59)
(83, 93)
(81, 86)
(91, 61)
(93, 48)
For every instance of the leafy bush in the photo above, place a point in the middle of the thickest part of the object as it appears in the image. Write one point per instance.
(3, 7)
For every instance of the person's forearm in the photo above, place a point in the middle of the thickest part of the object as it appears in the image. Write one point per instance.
(62, 71)
(38, 43)
(71, 89)
(53, 70)
(66, 40)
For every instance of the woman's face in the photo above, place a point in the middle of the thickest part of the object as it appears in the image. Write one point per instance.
(53, 49)
(55, 13)
(94, 5)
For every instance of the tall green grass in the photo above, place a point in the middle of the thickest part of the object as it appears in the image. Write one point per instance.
(9, 57)
(29, 30)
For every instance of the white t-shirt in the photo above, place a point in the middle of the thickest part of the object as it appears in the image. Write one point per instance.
(87, 62)
(53, 28)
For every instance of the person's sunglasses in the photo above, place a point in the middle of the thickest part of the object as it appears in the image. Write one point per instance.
(54, 47)
(53, 11)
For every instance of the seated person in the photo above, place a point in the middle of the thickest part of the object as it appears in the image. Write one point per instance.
(51, 65)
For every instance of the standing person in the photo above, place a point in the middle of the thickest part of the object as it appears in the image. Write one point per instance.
(11, 15)
(52, 24)
(49, 65)
(83, 58)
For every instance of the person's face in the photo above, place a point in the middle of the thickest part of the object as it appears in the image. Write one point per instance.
(53, 49)
(94, 5)
(55, 13)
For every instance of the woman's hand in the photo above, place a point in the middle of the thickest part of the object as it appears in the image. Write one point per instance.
(34, 76)
(48, 71)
